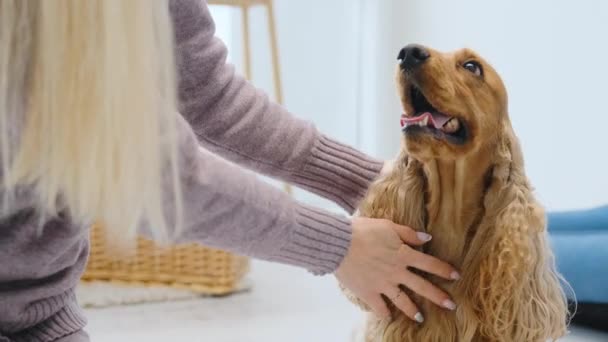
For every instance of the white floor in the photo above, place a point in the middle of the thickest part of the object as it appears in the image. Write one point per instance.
(286, 304)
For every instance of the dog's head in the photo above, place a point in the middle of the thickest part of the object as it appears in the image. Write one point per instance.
(453, 102)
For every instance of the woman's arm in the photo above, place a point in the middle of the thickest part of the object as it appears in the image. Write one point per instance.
(234, 119)
(228, 208)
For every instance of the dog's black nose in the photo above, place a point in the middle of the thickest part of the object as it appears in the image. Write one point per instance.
(412, 56)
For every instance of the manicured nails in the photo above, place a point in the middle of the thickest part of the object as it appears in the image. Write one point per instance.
(454, 275)
(448, 304)
(419, 318)
(424, 236)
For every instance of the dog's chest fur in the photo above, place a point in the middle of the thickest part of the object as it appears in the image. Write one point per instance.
(446, 200)
(453, 198)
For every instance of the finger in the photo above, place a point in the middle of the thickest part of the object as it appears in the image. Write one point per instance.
(410, 236)
(428, 263)
(403, 302)
(378, 306)
(427, 290)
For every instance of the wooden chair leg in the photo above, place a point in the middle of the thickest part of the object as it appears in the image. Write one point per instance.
(276, 70)
(276, 67)
(246, 41)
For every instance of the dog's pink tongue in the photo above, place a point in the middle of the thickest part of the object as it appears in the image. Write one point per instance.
(436, 119)
(439, 119)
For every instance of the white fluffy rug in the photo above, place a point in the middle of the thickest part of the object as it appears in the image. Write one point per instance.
(103, 294)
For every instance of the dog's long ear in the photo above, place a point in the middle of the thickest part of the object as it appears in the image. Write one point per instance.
(399, 195)
(518, 297)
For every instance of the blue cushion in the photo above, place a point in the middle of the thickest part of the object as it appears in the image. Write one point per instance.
(580, 242)
(595, 219)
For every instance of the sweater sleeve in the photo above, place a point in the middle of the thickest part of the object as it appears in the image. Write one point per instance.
(237, 121)
(229, 208)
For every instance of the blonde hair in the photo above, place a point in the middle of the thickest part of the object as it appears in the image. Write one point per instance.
(94, 83)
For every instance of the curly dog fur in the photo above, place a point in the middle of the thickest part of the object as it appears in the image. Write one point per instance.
(475, 200)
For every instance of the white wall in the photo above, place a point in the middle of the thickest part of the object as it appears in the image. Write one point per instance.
(338, 61)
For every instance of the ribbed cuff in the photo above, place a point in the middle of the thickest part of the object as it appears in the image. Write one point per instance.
(319, 241)
(66, 321)
(337, 172)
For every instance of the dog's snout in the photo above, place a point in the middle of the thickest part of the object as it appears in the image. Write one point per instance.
(412, 56)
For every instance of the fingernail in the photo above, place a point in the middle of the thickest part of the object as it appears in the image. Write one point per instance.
(454, 275)
(419, 318)
(424, 236)
(448, 304)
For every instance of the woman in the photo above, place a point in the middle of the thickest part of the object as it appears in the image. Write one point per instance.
(90, 130)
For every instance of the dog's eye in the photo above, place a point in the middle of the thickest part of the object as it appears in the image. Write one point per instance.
(473, 67)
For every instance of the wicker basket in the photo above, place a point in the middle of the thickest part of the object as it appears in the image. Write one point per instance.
(192, 267)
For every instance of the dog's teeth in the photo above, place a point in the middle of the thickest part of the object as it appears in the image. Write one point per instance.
(425, 121)
(451, 126)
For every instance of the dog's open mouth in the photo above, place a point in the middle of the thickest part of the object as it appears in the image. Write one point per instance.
(427, 119)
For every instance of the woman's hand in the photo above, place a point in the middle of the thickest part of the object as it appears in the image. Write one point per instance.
(377, 264)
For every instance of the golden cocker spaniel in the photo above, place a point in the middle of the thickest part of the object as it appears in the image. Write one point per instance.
(460, 177)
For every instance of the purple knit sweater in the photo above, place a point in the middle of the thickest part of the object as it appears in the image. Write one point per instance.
(225, 206)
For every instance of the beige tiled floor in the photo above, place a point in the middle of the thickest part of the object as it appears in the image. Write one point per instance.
(286, 304)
